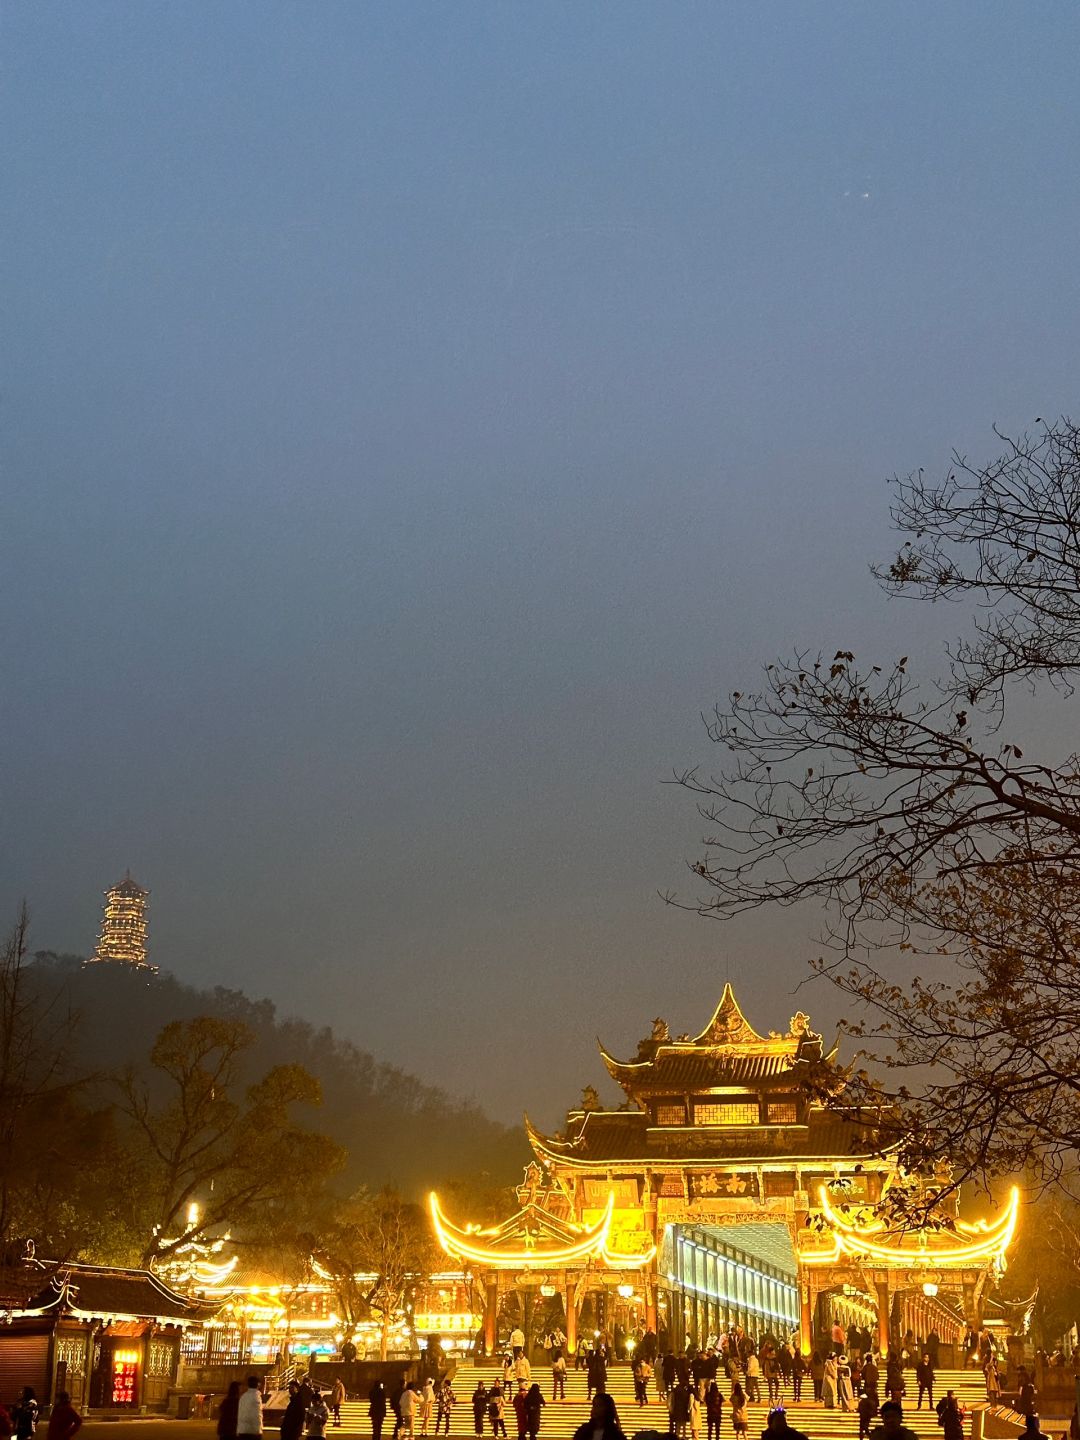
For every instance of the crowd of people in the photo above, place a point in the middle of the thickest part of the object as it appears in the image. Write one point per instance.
(732, 1372)
(696, 1387)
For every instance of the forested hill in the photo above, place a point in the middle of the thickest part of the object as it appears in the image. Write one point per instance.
(396, 1129)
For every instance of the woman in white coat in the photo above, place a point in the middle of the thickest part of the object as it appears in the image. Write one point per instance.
(828, 1384)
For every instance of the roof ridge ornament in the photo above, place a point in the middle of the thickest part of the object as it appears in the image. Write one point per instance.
(728, 1025)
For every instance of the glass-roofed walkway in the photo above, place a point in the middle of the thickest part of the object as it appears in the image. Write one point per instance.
(717, 1276)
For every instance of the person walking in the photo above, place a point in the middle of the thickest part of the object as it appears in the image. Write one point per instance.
(871, 1380)
(950, 1417)
(249, 1410)
(867, 1408)
(497, 1410)
(65, 1420)
(894, 1378)
(25, 1414)
(337, 1398)
(668, 1374)
(924, 1375)
(798, 1374)
(445, 1400)
(396, 1397)
(317, 1416)
(694, 1409)
(558, 1377)
(714, 1410)
(644, 1376)
(828, 1383)
(522, 1370)
(753, 1379)
(844, 1394)
(603, 1421)
(517, 1340)
(740, 1415)
(410, 1408)
(479, 1408)
(534, 1404)
(892, 1425)
(228, 1412)
(817, 1373)
(520, 1396)
(993, 1380)
(377, 1409)
(772, 1377)
(427, 1405)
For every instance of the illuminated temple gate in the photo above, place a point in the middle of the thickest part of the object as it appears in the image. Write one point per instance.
(721, 1193)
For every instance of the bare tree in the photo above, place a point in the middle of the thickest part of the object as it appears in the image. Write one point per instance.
(37, 1095)
(378, 1248)
(913, 816)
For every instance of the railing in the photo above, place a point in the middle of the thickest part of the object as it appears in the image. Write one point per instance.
(282, 1379)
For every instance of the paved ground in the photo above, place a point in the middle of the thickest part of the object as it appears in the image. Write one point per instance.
(155, 1427)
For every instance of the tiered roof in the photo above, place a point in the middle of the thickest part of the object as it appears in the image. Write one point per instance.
(608, 1138)
(729, 1051)
(727, 1062)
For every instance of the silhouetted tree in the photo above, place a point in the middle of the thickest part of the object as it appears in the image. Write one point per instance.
(199, 1137)
(917, 821)
(377, 1248)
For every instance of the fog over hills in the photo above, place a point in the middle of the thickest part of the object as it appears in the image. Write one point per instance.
(397, 1129)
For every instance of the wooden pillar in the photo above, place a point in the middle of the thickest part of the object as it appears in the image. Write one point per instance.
(882, 1287)
(570, 1292)
(491, 1313)
(806, 1316)
(650, 1305)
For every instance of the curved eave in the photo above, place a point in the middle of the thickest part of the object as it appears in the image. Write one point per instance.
(617, 1067)
(989, 1241)
(463, 1246)
(547, 1145)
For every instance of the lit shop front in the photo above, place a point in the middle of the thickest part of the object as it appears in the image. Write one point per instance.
(110, 1337)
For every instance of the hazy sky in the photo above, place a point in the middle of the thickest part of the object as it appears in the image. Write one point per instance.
(414, 416)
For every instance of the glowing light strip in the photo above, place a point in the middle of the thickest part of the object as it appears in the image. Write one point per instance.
(615, 1261)
(457, 1242)
(992, 1241)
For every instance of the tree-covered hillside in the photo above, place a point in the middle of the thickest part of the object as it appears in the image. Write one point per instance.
(395, 1129)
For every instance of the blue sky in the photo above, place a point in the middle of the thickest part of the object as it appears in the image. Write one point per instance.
(415, 416)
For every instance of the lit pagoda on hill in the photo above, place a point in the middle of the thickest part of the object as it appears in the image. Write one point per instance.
(124, 926)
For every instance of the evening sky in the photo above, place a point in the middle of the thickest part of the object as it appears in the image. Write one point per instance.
(414, 416)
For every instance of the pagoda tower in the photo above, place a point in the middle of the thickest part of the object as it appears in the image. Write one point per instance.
(123, 926)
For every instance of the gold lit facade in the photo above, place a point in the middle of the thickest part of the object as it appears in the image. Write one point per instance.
(725, 1190)
(124, 926)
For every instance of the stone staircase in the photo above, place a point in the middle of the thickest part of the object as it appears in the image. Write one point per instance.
(561, 1418)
